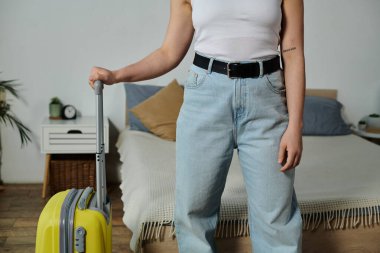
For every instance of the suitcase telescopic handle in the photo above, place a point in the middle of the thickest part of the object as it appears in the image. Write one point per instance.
(98, 87)
(101, 188)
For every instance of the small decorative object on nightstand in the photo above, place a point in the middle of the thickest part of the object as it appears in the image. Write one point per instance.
(67, 144)
(55, 108)
(362, 125)
(373, 121)
(69, 112)
(369, 128)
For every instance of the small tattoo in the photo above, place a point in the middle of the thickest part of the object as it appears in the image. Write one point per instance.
(287, 50)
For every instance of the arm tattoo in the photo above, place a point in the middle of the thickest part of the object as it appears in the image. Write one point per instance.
(287, 50)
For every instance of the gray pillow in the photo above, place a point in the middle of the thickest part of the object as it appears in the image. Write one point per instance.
(322, 116)
(137, 93)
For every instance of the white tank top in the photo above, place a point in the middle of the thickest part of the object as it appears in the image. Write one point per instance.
(237, 30)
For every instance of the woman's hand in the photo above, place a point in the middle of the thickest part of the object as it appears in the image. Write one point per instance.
(291, 144)
(106, 76)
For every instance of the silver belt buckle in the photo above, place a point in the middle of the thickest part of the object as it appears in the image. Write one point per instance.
(228, 70)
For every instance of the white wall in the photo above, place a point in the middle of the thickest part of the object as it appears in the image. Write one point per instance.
(50, 46)
(342, 48)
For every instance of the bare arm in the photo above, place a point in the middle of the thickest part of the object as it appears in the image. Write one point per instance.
(174, 48)
(292, 50)
(292, 47)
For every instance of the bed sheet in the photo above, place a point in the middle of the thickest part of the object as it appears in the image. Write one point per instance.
(337, 180)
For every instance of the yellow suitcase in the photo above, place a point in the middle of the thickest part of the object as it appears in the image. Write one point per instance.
(72, 221)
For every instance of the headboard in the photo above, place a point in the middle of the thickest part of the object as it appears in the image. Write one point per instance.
(329, 93)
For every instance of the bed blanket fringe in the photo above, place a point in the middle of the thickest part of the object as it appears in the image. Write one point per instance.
(340, 214)
(349, 218)
(342, 219)
(152, 231)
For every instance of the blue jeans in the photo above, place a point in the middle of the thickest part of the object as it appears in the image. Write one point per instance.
(219, 114)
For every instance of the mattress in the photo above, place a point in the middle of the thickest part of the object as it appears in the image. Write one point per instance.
(336, 184)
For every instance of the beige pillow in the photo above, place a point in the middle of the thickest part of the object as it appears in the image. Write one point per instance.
(159, 112)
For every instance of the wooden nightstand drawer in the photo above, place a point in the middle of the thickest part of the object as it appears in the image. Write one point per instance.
(71, 136)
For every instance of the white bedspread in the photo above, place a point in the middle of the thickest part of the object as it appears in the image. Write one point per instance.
(337, 180)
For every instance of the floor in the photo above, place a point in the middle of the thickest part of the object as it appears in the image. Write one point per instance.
(20, 207)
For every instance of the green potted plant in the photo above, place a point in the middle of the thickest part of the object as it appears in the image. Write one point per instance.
(362, 125)
(55, 108)
(8, 118)
(374, 120)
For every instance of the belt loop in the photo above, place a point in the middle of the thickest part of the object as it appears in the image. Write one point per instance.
(261, 68)
(210, 65)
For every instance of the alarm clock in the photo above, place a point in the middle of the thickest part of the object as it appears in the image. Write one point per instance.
(69, 112)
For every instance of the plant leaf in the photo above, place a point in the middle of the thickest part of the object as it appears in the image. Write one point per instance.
(23, 130)
(10, 86)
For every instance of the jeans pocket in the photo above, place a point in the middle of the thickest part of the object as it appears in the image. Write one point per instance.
(196, 77)
(275, 81)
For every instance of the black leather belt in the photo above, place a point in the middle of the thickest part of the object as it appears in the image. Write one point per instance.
(239, 70)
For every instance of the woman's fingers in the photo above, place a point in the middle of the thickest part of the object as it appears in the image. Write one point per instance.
(289, 161)
(94, 75)
(292, 160)
(290, 150)
(297, 160)
(281, 153)
(104, 75)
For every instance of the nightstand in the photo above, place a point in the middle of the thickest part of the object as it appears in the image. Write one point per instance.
(76, 136)
(373, 137)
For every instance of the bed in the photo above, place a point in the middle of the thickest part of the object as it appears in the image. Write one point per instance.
(337, 186)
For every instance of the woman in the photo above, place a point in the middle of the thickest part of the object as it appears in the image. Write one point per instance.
(236, 96)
